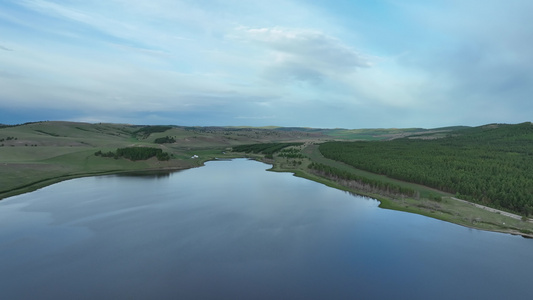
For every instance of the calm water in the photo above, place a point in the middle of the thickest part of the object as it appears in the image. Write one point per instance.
(231, 230)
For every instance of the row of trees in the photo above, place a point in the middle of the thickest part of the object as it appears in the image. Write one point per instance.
(136, 153)
(490, 165)
(145, 131)
(291, 153)
(165, 140)
(361, 183)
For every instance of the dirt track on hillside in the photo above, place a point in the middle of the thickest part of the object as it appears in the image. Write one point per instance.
(501, 212)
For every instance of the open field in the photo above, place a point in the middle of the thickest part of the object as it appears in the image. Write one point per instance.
(39, 154)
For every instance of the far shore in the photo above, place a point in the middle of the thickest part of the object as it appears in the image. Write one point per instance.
(28, 188)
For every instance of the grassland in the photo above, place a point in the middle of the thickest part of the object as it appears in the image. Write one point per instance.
(39, 154)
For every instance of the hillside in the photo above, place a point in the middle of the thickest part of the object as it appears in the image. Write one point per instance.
(39, 153)
(36, 154)
(490, 164)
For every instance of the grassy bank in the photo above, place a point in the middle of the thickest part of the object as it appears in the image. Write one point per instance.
(446, 208)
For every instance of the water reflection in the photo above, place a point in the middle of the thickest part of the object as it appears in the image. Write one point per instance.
(150, 173)
(231, 230)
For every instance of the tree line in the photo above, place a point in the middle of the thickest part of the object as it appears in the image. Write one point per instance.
(490, 165)
(147, 130)
(361, 183)
(291, 153)
(165, 140)
(135, 153)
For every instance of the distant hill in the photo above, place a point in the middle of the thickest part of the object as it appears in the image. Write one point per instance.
(367, 133)
(337, 133)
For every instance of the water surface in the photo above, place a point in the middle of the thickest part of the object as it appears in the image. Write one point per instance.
(231, 230)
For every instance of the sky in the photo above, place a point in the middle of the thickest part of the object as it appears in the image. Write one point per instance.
(322, 64)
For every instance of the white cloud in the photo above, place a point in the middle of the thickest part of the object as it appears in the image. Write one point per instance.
(302, 54)
(242, 59)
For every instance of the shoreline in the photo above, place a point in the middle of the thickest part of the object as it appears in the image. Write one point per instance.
(385, 201)
(31, 187)
(34, 186)
(389, 203)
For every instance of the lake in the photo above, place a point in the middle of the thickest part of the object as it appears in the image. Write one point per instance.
(231, 230)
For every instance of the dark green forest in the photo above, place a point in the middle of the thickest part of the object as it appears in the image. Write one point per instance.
(165, 140)
(291, 153)
(145, 131)
(490, 165)
(135, 153)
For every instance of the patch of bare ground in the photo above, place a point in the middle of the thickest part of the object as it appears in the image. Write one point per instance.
(426, 135)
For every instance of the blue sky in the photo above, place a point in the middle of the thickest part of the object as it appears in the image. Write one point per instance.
(348, 64)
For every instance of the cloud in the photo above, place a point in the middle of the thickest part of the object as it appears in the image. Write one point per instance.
(319, 64)
(482, 61)
(302, 54)
(255, 117)
(169, 57)
(79, 15)
(5, 48)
